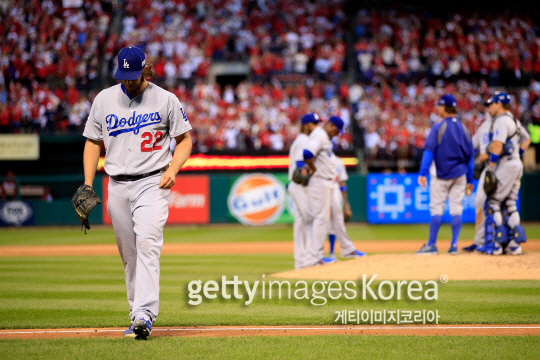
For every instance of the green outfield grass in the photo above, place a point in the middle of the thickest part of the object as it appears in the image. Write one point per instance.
(300, 347)
(231, 233)
(53, 292)
(57, 292)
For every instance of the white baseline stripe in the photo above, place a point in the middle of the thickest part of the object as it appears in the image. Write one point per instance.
(397, 327)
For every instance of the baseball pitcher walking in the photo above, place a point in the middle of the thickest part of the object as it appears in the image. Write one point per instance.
(136, 120)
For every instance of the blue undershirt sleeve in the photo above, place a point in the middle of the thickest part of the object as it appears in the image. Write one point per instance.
(427, 158)
(307, 155)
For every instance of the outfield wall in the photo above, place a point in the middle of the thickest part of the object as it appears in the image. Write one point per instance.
(252, 199)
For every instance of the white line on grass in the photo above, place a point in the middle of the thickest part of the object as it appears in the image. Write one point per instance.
(397, 327)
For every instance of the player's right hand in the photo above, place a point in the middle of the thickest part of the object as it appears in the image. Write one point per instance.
(469, 189)
(422, 181)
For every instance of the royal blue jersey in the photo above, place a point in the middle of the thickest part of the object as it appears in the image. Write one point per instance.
(451, 144)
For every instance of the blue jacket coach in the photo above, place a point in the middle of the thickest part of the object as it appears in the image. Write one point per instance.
(449, 143)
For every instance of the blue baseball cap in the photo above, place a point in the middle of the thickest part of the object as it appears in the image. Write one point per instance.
(447, 100)
(499, 97)
(131, 61)
(336, 120)
(310, 118)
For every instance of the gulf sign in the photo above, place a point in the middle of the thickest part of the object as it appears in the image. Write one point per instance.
(257, 199)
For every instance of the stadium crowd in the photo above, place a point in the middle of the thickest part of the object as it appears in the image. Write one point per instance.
(51, 58)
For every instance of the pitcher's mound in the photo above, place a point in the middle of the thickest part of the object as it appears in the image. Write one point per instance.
(425, 267)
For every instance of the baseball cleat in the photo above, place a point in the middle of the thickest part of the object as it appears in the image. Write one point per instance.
(328, 260)
(142, 329)
(481, 249)
(428, 250)
(129, 332)
(355, 254)
(497, 249)
(513, 248)
(453, 250)
(470, 248)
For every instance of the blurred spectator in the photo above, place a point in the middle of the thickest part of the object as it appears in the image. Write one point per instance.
(48, 54)
(8, 189)
(296, 51)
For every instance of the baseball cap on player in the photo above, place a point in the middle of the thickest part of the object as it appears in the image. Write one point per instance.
(336, 120)
(447, 100)
(310, 118)
(131, 61)
(500, 97)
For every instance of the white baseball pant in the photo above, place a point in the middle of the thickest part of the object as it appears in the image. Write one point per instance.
(451, 189)
(337, 224)
(138, 211)
(319, 192)
(302, 222)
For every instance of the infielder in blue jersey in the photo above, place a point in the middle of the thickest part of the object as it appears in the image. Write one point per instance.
(449, 145)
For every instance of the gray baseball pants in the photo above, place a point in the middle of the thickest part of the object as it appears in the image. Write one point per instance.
(302, 222)
(138, 211)
(451, 189)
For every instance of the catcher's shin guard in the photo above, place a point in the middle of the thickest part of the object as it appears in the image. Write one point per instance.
(501, 234)
(491, 231)
(519, 234)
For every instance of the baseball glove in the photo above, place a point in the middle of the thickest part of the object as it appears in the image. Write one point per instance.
(478, 168)
(347, 212)
(84, 201)
(490, 182)
(301, 176)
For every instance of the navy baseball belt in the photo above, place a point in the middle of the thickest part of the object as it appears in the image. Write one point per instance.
(134, 177)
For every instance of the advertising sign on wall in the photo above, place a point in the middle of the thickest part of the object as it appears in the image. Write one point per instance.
(16, 213)
(395, 198)
(189, 200)
(257, 199)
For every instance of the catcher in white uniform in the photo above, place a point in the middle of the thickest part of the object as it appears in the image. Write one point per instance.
(502, 180)
(297, 191)
(136, 121)
(481, 141)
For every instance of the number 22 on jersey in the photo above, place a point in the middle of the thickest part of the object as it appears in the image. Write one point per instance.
(150, 142)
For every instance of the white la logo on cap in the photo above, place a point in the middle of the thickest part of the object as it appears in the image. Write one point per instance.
(126, 65)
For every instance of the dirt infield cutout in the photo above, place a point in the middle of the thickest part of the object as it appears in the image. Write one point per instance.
(425, 267)
(222, 331)
(260, 247)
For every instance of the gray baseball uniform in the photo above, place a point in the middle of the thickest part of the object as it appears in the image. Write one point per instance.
(136, 133)
(481, 143)
(337, 224)
(302, 217)
(508, 170)
(319, 192)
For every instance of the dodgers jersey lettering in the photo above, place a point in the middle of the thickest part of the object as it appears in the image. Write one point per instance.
(320, 146)
(296, 152)
(135, 130)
